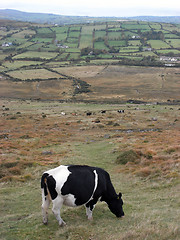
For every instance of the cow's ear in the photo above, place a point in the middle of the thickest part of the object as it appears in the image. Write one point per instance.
(120, 195)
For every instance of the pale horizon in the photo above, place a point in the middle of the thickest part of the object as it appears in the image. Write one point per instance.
(105, 8)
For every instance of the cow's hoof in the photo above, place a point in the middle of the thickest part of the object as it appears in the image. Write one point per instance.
(63, 224)
(45, 223)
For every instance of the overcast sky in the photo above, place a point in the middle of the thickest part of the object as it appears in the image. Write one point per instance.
(117, 8)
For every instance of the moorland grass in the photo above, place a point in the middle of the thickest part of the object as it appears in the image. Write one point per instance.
(151, 202)
(151, 212)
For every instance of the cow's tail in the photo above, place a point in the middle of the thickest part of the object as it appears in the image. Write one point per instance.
(44, 184)
(45, 198)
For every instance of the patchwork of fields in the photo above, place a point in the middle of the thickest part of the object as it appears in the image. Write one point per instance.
(91, 41)
(38, 54)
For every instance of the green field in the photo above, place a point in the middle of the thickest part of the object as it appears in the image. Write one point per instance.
(100, 45)
(34, 54)
(119, 43)
(19, 64)
(61, 36)
(158, 44)
(156, 26)
(174, 42)
(33, 74)
(74, 34)
(100, 34)
(166, 51)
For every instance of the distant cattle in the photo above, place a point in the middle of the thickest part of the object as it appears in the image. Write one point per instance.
(88, 113)
(76, 185)
(120, 111)
(103, 111)
(5, 108)
(96, 121)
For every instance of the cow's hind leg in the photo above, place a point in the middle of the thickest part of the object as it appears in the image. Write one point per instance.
(57, 204)
(45, 206)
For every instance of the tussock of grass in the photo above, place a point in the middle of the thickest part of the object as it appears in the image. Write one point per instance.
(143, 172)
(127, 156)
(15, 170)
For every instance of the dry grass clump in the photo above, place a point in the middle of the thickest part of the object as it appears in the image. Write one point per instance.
(15, 170)
(127, 156)
(172, 149)
(143, 172)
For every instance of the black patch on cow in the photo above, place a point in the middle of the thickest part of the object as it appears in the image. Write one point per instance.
(80, 183)
(43, 183)
(51, 183)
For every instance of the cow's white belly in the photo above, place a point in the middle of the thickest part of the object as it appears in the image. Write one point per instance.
(69, 200)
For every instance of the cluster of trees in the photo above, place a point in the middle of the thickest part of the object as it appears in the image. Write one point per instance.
(146, 61)
(153, 35)
(81, 86)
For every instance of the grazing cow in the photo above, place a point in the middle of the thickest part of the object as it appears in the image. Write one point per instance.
(120, 111)
(76, 185)
(103, 111)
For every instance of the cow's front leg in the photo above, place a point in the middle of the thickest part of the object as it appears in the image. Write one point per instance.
(89, 213)
(57, 204)
(89, 208)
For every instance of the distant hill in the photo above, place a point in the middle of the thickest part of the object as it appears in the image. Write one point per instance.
(49, 18)
(62, 19)
(167, 19)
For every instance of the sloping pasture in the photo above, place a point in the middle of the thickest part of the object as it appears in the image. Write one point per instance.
(35, 136)
(122, 82)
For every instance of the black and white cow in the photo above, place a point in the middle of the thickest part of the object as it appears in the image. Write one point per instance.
(76, 185)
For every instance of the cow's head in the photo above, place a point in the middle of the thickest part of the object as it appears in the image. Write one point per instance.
(115, 205)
